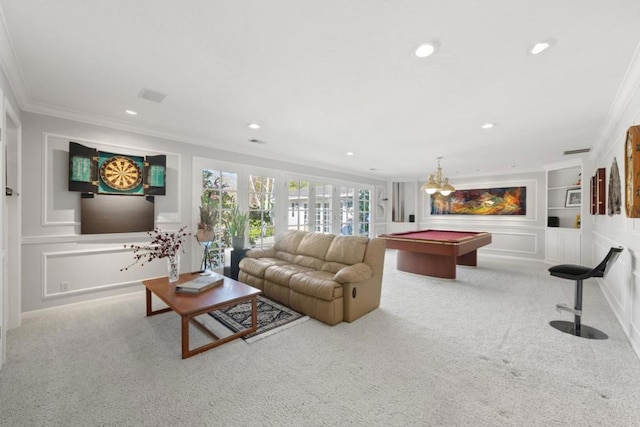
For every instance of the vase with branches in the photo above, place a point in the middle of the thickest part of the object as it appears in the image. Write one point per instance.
(164, 244)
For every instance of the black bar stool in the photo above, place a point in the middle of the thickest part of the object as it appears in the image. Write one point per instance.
(579, 273)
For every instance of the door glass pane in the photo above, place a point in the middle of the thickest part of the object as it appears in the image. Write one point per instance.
(346, 211)
(261, 211)
(219, 196)
(298, 205)
(324, 207)
(364, 212)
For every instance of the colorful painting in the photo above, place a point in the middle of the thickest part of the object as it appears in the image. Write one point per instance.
(485, 201)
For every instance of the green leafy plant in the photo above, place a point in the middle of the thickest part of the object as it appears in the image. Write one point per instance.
(238, 222)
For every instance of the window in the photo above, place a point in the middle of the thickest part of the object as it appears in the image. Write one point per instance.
(261, 211)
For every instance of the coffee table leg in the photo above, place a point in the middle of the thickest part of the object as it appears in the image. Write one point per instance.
(149, 311)
(254, 314)
(185, 337)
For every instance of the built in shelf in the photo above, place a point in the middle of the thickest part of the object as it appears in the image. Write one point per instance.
(566, 187)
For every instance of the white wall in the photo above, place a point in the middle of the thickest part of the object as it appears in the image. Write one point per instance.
(621, 286)
(54, 251)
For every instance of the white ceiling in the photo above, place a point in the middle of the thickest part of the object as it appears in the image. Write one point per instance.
(331, 76)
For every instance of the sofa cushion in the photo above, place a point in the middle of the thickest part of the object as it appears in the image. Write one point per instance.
(353, 273)
(315, 245)
(280, 274)
(333, 267)
(261, 253)
(318, 284)
(289, 240)
(288, 257)
(347, 249)
(312, 250)
(257, 266)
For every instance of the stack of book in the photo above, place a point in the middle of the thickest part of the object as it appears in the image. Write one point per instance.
(200, 284)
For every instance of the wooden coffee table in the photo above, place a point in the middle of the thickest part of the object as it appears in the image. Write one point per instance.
(189, 306)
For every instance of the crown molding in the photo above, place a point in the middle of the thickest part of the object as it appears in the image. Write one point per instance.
(109, 122)
(10, 65)
(627, 89)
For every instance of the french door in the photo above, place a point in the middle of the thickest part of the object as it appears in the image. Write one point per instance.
(328, 208)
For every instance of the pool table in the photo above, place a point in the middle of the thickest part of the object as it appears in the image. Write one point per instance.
(436, 252)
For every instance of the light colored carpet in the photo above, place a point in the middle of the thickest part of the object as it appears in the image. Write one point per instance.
(475, 351)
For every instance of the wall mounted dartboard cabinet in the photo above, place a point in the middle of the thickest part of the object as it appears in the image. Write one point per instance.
(102, 176)
(93, 171)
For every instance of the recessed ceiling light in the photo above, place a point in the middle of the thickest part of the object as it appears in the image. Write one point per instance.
(254, 126)
(425, 49)
(350, 153)
(540, 47)
(131, 112)
(488, 125)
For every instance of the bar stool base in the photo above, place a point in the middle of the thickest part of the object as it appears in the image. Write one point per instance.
(585, 331)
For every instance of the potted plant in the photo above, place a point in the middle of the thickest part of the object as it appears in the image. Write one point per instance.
(237, 227)
(208, 215)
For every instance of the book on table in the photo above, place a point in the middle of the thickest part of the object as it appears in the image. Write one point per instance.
(200, 284)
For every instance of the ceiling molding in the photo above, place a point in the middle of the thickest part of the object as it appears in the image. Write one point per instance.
(628, 87)
(10, 65)
(92, 119)
(97, 120)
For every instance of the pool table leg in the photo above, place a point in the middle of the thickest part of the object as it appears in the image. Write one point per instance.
(427, 264)
(470, 258)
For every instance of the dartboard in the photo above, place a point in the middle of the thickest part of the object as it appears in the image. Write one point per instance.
(120, 173)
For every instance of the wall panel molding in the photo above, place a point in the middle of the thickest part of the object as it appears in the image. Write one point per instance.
(86, 274)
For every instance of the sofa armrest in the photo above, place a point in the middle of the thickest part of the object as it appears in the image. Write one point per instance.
(353, 273)
(261, 253)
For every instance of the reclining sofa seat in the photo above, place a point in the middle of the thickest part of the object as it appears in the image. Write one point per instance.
(330, 278)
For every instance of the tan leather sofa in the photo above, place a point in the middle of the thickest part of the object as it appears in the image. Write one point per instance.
(330, 278)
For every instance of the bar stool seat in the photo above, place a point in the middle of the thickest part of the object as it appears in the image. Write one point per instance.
(580, 273)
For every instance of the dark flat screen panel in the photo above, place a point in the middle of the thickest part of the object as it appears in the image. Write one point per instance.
(103, 213)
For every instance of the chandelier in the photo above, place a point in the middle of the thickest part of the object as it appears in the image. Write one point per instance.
(435, 184)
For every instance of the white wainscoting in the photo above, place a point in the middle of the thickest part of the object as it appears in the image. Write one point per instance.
(619, 287)
(86, 271)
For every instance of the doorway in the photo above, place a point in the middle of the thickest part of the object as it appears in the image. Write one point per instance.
(10, 284)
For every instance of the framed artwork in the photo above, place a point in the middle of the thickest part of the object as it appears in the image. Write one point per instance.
(483, 201)
(615, 192)
(632, 172)
(574, 198)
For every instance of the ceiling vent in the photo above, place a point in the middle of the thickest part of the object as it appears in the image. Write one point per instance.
(578, 151)
(257, 141)
(152, 95)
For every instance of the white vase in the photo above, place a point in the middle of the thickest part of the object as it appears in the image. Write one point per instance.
(173, 264)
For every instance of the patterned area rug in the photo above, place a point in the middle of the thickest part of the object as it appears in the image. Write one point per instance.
(272, 318)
